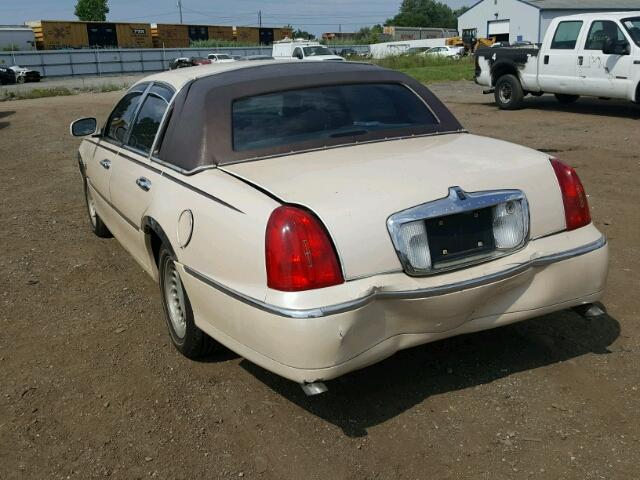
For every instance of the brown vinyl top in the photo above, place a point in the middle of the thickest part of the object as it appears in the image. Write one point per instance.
(199, 131)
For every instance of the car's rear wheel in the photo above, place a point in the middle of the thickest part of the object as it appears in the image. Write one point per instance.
(509, 94)
(97, 225)
(566, 99)
(185, 335)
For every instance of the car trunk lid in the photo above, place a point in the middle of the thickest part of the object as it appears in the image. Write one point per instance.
(354, 190)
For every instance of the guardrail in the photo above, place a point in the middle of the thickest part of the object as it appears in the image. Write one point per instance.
(65, 63)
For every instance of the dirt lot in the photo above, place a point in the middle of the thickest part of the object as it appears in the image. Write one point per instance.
(90, 386)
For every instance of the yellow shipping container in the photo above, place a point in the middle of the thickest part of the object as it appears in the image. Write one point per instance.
(170, 35)
(220, 33)
(247, 34)
(134, 35)
(53, 34)
(282, 33)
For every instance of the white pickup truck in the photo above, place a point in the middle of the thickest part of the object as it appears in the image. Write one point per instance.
(592, 54)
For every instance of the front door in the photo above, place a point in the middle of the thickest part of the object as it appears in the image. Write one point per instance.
(102, 163)
(557, 72)
(601, 74)
(134, 179)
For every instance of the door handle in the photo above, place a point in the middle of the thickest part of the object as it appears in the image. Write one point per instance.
(144, 183)
(546, 59)
(580, 60)
(106, 164)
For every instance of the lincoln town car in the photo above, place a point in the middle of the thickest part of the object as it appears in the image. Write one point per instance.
(317, 217)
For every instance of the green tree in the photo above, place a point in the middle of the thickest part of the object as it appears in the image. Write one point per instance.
(303, 34)
(424, 13)
(460, 11)
(92, 10)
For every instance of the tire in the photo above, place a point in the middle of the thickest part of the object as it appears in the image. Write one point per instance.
(509, 94)
(566, 99)
(97, 225)
(20, 79)
(188, 339)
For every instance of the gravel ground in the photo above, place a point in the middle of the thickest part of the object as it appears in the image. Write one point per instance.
(91, 387)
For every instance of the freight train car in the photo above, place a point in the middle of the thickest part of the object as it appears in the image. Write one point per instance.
(172, 35)
(57, 34)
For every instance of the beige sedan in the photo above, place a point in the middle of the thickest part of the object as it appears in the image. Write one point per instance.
(316, 218)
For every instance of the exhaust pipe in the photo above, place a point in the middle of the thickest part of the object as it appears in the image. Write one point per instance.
(314, 388)
(590, 310)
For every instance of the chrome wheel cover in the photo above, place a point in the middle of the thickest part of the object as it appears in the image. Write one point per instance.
(174, 298)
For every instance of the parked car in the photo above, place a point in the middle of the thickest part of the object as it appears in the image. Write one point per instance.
(7, 76)
(180, 62)
(24, 75)
(183, 62)
(303, 50)
(416, 50)
(220, 58)
(447, 52)
(317, 218)
(594, 54)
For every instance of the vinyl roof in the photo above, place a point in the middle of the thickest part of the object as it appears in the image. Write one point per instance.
(181, 76)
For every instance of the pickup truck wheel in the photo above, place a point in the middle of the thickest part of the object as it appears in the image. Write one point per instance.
(509, 93)
(97, 225)
(185, 335)
(566, 99)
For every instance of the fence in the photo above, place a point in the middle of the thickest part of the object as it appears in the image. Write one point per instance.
(63, 63)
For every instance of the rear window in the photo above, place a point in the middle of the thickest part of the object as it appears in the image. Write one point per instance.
(331, 112)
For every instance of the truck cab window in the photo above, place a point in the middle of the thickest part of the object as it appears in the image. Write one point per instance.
(566, 36)
(601, 31)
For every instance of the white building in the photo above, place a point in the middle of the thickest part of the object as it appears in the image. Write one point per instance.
(528, 20)
(16, 37)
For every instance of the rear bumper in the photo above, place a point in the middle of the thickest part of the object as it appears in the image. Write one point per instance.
(324, 342)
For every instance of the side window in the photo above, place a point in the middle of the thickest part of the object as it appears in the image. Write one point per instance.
(566, 36)
(600, 31)
(147, 123)
(120, 120)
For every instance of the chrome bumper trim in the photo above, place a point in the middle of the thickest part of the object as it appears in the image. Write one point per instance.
(379, 294)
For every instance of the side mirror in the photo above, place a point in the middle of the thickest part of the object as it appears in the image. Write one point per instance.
(83, 127)
(612, 47)
(608, 46)
(298, 55)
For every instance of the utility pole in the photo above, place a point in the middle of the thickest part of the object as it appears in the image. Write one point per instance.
(180, 8)
(260, 18)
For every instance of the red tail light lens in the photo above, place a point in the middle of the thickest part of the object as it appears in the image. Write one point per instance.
(299, 253)
(576, 206)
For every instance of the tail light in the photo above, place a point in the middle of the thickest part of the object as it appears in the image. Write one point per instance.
(299, 253)
(576, 206)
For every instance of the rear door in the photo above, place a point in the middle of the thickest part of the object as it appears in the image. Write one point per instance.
(600, 74)
(100, 166)
(133, 178)
(558, 67)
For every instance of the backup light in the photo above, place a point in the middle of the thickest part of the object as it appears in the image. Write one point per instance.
(415, 244)
(509, 228)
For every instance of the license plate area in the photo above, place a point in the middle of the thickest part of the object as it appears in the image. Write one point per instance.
(460, 238)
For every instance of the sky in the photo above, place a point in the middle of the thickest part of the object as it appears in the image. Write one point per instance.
(315, 17)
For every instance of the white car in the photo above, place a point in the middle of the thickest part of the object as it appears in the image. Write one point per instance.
(448, 52)
(303, 50)
(317, 218)
(220, 58)
(594, 55)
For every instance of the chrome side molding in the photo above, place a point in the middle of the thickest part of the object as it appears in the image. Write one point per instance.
(379, 294)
